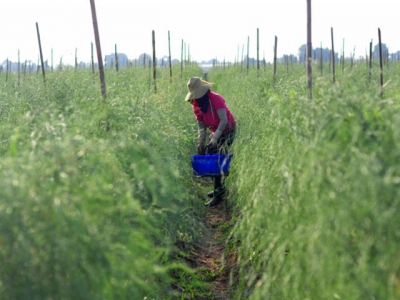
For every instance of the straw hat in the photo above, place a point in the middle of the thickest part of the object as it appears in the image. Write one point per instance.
(197, 88)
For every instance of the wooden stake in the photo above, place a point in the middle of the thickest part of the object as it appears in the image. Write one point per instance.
(242, 61)
(154, 61)
(19, 70)
(41, 54)
(321, 60)
(275, 56)
(309, 49)
(184, 54)
(7, 71)
(258, 52)
(116, 58)
(76, 58)
(343, 58)
(170, 62)
(370, 59)
(98, 47)
(248, 43)
(380, 57)
(333, 56)
(182, 59)
(91, 50)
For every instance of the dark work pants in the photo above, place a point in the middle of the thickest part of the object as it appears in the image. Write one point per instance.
(223, 145)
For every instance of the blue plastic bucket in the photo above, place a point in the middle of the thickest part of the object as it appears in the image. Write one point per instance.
(211, 165)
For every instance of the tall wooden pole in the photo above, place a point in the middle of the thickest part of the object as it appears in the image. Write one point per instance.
(248, 42)
(92, 58)
(98, 48)
(7, 71)
(343, 58)
(242, 62)
(275, 56)
(116, 58)
(154, 61)
(181, 58)
(380, 57)
(258, 52)
(41, 53)
(76, 58)
(185, 54)
(19, 70)
(333, 56)
(321, 59)
(169, 51)
(309, 50)
(370, 59)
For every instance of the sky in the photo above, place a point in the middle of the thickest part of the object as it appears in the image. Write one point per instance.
(209, 28)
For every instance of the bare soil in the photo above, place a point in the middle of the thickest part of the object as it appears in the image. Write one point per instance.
(212, 255)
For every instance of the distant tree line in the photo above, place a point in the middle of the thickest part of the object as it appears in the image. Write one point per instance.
(109, 62)
(326, 54)
(145, 59)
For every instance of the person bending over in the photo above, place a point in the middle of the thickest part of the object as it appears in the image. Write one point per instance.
(211, 113)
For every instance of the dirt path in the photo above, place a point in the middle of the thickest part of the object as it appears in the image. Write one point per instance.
(214, 256)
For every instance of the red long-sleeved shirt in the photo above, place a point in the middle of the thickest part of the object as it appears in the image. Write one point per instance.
(210, 118)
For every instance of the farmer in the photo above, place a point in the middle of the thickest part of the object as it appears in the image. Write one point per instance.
(211, 112)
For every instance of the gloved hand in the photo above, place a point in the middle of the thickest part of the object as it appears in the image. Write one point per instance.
(211, 148)
(201, 139)
(213, 141)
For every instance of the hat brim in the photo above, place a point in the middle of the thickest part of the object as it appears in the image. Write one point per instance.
(199, 93)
